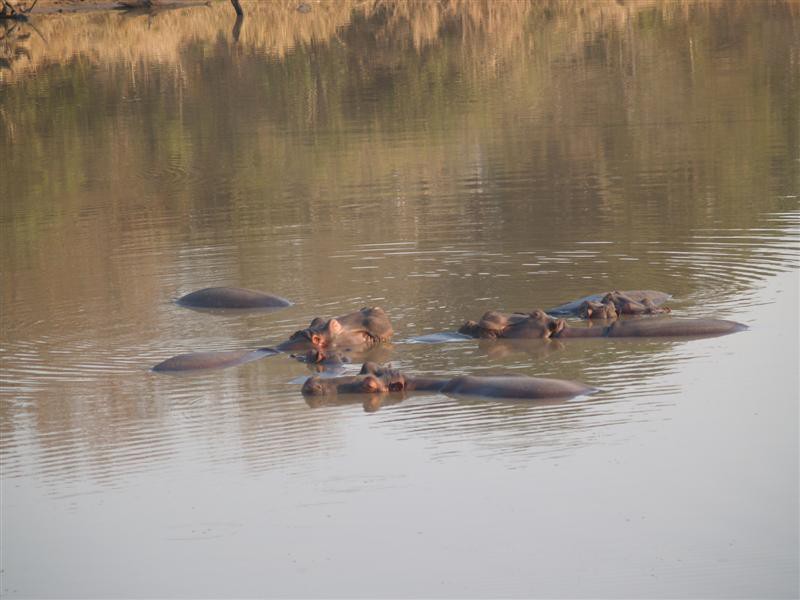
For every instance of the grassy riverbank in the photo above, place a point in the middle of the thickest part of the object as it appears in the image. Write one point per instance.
(73, 6)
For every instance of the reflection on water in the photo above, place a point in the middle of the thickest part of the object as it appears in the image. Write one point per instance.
(437, 159)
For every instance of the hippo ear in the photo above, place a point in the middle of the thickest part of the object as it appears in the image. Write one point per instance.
(334, 327)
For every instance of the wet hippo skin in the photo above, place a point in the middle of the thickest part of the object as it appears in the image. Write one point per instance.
(231, 297)
(375, 379)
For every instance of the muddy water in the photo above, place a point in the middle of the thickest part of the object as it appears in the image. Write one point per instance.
(437, 160)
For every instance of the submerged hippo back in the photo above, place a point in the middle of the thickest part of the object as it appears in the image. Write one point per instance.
(666, 327)
(211, 360)
(530, 388)
(230, 297)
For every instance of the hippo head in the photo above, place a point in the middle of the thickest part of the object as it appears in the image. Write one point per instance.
(391, 380)
(319, 334)
(357, 331)
(533, 325)
(372, 379)
(491, 325)
(357, 384)
(536, 324)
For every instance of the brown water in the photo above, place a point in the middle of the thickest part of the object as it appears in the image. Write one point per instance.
(437, 160)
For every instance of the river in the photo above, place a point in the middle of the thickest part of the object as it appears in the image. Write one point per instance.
(438, 160)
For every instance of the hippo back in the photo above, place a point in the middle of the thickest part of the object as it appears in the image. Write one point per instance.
(515, 387)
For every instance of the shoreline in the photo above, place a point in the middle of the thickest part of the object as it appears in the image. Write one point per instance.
(49, 7)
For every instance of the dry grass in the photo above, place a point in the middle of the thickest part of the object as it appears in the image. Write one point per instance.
(275, 28)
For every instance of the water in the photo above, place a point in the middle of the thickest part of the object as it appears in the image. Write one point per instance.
(437, 160)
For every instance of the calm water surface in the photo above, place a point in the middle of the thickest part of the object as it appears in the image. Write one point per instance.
(437, 160)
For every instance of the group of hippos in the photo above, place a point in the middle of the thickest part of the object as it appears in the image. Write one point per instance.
(327, 341)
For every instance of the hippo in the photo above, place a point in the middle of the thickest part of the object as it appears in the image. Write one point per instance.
(323, 340)
(231, 297)
(538, 325)
(608, 305)
(360, 330)
(376, 379)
